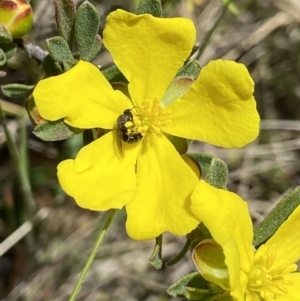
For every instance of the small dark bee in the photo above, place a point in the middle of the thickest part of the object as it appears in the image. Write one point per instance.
(123, 133)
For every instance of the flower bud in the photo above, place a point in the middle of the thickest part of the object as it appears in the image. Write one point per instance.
(16, 16)
(209, 259)
(32, 111)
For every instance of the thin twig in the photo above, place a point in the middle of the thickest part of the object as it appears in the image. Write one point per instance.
(210, 33)
(22, 174)
(92, 255)
(32, 50)
(22, 231)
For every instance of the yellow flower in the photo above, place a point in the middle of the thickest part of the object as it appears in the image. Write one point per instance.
(266, 274)
(148, 176)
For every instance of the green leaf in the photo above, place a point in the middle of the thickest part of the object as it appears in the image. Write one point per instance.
(191, 69)
(195, 280)
(54, 130)
(51, 67)
(213, 169)
(152, 7)
(155, 259)
(2, 57)
(182, 82)
(10, 49)
(198, 234)
(176, 89)
(17, 90)
(59, 49)
(65, 17)
(96, 47)
(276, 217)
(179, 143)
(5, 36)
(197, 294)
(69, 64)
(87, 23)
(114, 75)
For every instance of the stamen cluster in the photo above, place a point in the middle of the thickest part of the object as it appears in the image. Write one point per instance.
(150, 116)
(268, 277)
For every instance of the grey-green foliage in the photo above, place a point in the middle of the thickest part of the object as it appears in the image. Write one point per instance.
(54, 130)
(152, 7)
(65, 13)
(276, 217)
(87, 23)
(59, 49)
(213, 169)
(17, 90)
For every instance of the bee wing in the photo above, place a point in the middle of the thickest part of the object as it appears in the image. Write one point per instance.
(119, 142)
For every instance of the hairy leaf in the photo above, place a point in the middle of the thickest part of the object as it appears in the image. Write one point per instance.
(87, 25)
(65, 13)
(152, 7)
(59, 49)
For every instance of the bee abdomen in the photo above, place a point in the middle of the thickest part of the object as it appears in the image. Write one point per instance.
(131, 138)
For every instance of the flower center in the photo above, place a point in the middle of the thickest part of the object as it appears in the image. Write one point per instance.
(268, 277)
(148, 118)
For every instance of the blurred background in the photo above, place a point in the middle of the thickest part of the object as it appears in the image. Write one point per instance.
(45, 264)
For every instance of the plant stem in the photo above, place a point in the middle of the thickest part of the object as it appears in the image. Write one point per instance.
(22, 172)
(32, 50)
(92, 256)
(180, 255)
(212, 30)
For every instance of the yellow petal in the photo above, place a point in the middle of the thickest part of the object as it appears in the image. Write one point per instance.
(227, 218)
(192, 164)
(99, 179)
(164, 185)
(287, 238)
(293, 290)
(148, 50)
(219, 108)
(82, 96)
(237, 277)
